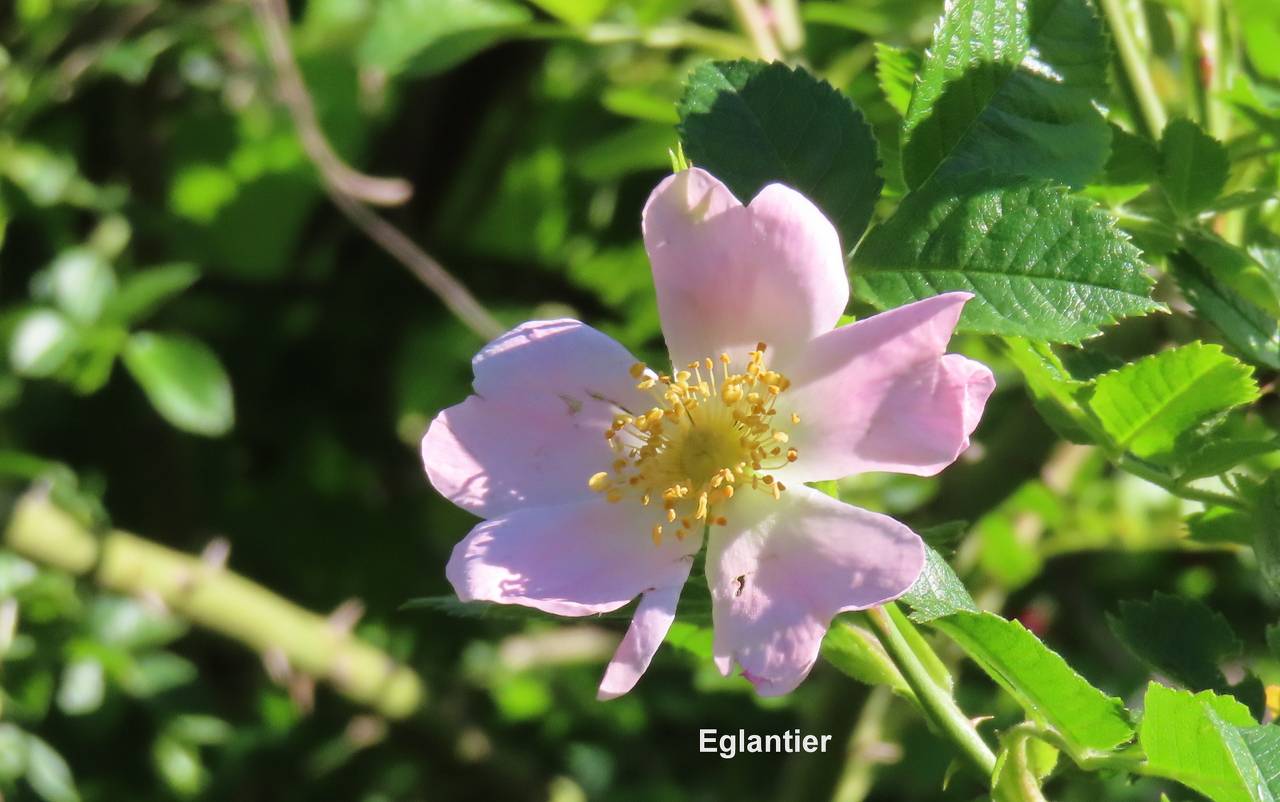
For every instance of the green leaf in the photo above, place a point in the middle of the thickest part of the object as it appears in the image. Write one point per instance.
(751, 123)
(41, 343)
(1261, 35)
(1253, 331)
(1197, 741)
(82, 687)
(1040, 263)
(423, 37)
(81, 283)
(938, 592)
(1266, 531)
(1193, 167)
(1218, 454)
(1222, 525)
(184, 381)
(896, 69)
(1047, 688)
(856, 652)
(141, 293)
(48, 774)
(1131, 168)
(1146, 405)
(1010, 87)
(1178, 637)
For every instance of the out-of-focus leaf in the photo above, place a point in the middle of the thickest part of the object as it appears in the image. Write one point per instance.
(423, 37)
(1193, 167)
(141, 293)
(82, 688)
(158, 672)
(13, 753)
(1261, 35)
(1146, 405)
(1041, 263)
(129, 624)
(751, 124)
(1041, 681)
(1011, 88)
(179, 765)
(1197, 740)
(1266, 531)
(184, 381)
(1222, 525)
(48, 774)
(81, 283)
(1178, 637)
(41, 343)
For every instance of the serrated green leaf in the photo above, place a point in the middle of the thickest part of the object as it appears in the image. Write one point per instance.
(1196, 740)
(184, 381)
(1222, 525)
(1147, 405)
(938, 592)
(1193, 167)
(1054, 391)
(1254, 332)
(1047, 688)
(896, 69)
(1178, 637)
(1130, 169)
(1041, 263)
(1010, 87)
(751, 124)
(1218, 454)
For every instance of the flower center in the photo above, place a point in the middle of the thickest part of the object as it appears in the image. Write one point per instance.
(711, 433)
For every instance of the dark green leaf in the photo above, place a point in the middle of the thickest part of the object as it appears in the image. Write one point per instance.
(1193, 167)
(1041, 263)
(1178, 637)
(1010, 87)
(1252, 330)
(429, 36)
(751, 124)
(141, 293)
(1266, 531)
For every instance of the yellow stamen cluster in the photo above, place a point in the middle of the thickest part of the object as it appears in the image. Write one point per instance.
(710, 434)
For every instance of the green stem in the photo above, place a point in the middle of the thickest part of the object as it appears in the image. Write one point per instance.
(213, 597)
(1134, 61)
(1155, 476)
(937, 703)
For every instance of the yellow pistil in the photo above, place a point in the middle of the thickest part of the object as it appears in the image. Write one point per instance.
(707, 434)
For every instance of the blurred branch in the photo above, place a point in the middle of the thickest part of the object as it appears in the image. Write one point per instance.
(753, 18)
(207, 594)
(1134, 61)
(350, 190)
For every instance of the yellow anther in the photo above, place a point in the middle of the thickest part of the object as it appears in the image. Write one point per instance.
(599, 481)
(657, 534)
(637, 370)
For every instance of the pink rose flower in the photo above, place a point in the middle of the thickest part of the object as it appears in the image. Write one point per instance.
(597, 477)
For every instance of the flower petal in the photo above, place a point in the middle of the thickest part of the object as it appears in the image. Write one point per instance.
(782, 570)
(880, 395)
(654, 614)
(534, 432)
(571, 559)
(729, 276)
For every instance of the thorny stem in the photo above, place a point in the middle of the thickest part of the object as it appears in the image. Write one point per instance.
(936, 702)
(350, 190)
(1134, 62)
(205, 592)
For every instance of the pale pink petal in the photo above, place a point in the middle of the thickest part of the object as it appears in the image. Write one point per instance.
(781, 570)
(571, 559)
(881, 394)
(654, 614)
(729, 276)
(533, 434)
